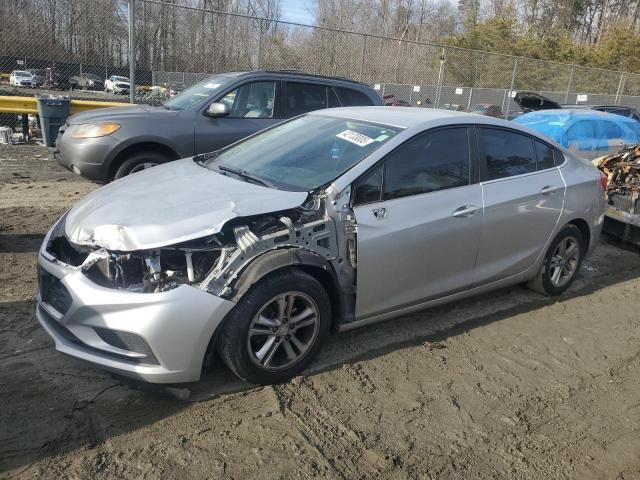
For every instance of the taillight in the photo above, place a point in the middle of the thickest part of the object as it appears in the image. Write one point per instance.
(604, 180)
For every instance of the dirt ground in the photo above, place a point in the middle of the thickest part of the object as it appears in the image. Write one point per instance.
(510, 385)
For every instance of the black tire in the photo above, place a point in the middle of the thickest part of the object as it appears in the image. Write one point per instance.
(134, 162)
(234, 344)
(543, 282)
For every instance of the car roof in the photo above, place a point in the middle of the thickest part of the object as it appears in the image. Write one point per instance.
(293, 74)
(405, 117)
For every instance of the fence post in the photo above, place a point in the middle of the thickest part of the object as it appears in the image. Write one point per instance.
(569, 85)
(513, 82)
(470, 97)
(620, 87)
(443, 59)
(132, 52)
(364, 52)
(259, 44)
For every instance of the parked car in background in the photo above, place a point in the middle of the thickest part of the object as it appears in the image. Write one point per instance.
(21, 78)
(175, 88)
(391, 100)
(86, 81)
(454, 107)
(586, 133)
(117, 84)
(39, 76)
(488, 109)
(109, 143)
(57, 80)
(617, 109)
(256, 251)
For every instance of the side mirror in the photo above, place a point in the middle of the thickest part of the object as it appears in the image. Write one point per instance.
(217, 109)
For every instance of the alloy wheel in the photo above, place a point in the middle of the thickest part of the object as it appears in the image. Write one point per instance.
(283, 331)
(564, 262)
(143, 166)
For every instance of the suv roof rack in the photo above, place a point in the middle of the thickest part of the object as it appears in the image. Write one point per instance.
(295, 71)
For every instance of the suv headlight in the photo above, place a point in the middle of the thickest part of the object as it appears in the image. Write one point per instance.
(94, 130)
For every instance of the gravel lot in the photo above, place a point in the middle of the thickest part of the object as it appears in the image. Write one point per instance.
(510, 385)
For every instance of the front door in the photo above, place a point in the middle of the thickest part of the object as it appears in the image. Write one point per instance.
(253, 107)
(419, 216)
(523, 196)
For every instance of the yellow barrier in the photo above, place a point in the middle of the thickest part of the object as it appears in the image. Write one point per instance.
(28, 105)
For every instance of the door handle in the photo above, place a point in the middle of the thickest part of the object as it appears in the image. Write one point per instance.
(465, 212)
(548, 190)
(380, 213)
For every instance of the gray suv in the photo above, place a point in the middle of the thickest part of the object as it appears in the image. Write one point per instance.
(110, 143)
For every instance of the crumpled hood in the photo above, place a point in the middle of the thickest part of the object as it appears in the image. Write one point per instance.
(120, 113)
(168, 204)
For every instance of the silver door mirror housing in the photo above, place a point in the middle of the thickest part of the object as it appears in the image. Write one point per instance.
(217, 109)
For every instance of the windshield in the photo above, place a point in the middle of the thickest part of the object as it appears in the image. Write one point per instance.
(197, 93)
(19, 73)
(304, 153)
(120, 79)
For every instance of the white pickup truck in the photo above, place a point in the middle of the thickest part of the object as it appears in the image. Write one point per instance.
(117, 84)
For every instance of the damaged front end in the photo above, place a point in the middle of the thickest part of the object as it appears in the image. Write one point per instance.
(623, 193)
(212, 263)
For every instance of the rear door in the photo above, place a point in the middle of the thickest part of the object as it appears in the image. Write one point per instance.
(253, 106)
(582, 139)
(419, 216)
(523, 194)
(611, 137)
(302, 97)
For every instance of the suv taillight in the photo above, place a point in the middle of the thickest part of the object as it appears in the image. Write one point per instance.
(604, 180)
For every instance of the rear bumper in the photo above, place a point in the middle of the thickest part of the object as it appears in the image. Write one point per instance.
(155, 337)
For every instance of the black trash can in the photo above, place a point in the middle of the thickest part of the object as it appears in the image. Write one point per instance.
(53, 112)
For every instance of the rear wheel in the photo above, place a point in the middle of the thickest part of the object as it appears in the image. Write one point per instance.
(561, 263)
(140, 161)
(276, 328)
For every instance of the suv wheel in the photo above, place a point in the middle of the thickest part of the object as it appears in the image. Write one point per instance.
(276, 328)
(140, 161)
(561, 263)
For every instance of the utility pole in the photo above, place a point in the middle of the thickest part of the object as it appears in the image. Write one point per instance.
(132, 51)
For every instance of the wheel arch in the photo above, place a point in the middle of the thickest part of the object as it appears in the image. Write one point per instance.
(300, 258)
(149, 145)
(583, 226)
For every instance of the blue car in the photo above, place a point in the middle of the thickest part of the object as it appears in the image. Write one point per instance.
(586, 133)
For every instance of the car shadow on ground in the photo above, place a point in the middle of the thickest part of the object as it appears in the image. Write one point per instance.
(53, 404)
(20, 243)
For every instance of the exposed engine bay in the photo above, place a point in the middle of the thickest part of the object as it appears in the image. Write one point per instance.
(213, 263)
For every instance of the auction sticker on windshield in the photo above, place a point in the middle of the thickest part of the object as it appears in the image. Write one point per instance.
(355, 137)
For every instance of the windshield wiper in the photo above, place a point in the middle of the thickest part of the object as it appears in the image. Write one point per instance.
(244, 174)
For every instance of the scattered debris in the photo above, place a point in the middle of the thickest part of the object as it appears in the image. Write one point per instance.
(6, 135)
(623, 193)
(622, 169)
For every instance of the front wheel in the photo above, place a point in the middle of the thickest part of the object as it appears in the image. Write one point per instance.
(276, 328)
(140, 161)
(561, 263)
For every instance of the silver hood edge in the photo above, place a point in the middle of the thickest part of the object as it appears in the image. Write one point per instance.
(168, 204)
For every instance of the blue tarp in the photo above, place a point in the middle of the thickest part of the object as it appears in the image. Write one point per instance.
(588, 133)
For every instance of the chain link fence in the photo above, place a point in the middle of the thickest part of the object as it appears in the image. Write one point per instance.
(180, 42)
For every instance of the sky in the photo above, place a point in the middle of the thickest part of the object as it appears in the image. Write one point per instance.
(298, 11)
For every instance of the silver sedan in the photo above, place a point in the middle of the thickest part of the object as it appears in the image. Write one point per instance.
(335, 219)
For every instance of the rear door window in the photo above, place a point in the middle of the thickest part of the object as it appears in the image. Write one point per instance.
(581, 130)
(353, 98)
(610, 130)
(505, 153)
(545, 156)
(303, 97)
